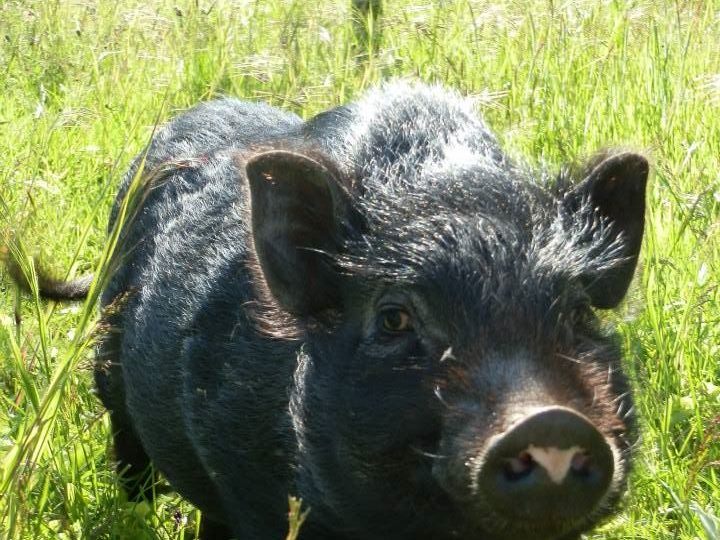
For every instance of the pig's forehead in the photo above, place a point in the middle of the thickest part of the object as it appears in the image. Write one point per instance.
(498, 245)
(476, 218)
(421, 246)
(457, 193)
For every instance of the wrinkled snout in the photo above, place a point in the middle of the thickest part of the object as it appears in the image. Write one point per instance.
(551, 468)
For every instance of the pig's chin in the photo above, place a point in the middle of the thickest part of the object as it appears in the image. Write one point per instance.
(529, 532)
(473, 522)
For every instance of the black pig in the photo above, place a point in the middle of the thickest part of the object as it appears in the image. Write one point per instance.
(376, 311)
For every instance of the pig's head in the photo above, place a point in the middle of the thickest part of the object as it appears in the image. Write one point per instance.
(454, 381)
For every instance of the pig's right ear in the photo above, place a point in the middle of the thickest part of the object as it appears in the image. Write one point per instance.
(300, 211)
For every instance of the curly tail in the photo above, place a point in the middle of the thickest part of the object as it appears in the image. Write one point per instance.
(57, 289)
(51, 288)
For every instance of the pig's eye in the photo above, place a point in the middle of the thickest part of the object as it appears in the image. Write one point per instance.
(395, 321)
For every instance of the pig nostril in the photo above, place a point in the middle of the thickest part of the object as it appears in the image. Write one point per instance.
(519, 467)
(580, 464)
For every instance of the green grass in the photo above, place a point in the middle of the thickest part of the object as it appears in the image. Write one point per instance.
(82, 85)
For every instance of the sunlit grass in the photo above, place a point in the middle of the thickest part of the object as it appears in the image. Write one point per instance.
(82, 86)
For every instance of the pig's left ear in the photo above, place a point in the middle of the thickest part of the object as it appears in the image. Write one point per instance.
(300, 212)
(615, 189)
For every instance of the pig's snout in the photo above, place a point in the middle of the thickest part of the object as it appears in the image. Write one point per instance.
(551, 467)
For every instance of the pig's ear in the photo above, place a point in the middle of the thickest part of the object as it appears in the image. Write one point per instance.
(299, 213)
(615, 189)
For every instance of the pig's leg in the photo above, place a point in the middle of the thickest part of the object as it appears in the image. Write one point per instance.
(214, 530)
(133, 463)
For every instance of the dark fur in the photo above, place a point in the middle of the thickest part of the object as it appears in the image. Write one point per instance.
(48, 286)
(250, 362)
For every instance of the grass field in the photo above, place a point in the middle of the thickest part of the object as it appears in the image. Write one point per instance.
(83, 83)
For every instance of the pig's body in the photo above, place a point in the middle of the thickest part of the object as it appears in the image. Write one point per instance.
(190, 357)
(442, 298)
